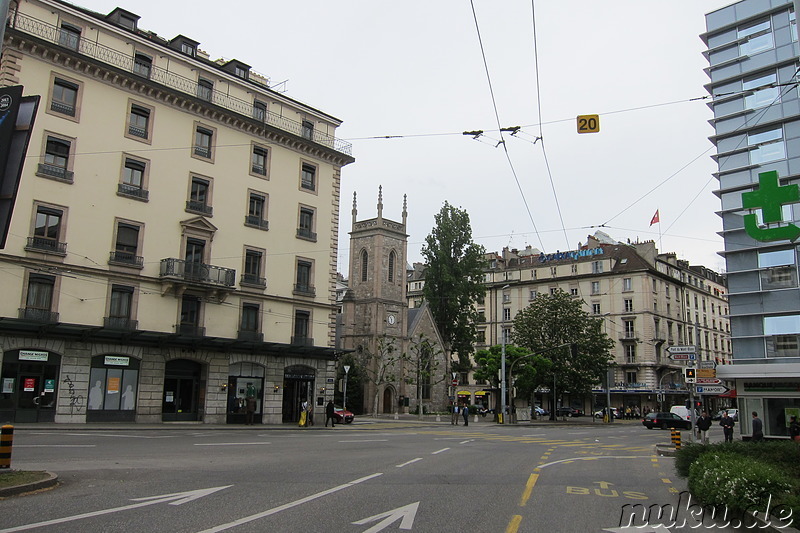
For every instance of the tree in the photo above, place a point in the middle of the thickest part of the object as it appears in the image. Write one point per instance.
(355, 384)
(381, 366)
(423, 358)
(527, 368)
(454, 279)
(559, 320)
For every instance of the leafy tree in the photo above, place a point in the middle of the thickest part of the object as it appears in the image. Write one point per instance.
(382, 366)
(355, 384)
(454, 279)
(559, 319)
(527, 368)
(423, 358)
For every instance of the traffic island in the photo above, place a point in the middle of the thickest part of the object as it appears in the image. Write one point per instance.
(14, 482)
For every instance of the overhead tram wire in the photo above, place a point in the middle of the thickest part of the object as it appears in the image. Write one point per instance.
(500, 127)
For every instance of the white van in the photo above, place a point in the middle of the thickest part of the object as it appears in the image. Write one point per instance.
(681, 411)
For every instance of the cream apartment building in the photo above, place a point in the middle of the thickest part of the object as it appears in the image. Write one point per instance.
(648, 301)
(173, 245)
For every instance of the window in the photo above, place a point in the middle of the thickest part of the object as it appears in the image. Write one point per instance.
(506, 298)
(308, 177)
(240, 72)
(205, 89)
(258, 161)
(630, 353)
(113, 389)
(199, 196)
(630, 377)
(39, 299)
(64, 100)
(139, 122)
(69, 36)
(126, 245)
(190, 317)
(778, 269)
(595, 287)
(251, 321)
(257, 211)
(764, 91)
(766, 146)
(597, 267)
(630, 333)
(133, 179)
(573, 291)
(554, 271)
(203, 142)
(506, 314)
(533, 294)
(302, 320)
(628, 305)
(506, 333)
(120, 308)
(253, 268)
(364, 264)
(758, 37)
(626, 284)
(260, 111)
(56, 159)
(308, 129)
(303, 283)
(595, 309)
(142, 65)
(392, 259)
(553, 291)
(47, 230)
(305, 226)
(194, 259)
(187, 49)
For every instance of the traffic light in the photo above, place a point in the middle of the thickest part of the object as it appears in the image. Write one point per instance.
(689, 375)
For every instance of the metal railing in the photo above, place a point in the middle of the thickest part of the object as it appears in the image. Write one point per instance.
(199, 207)
(126, 258)
(257, 222)
(197, 272)
(133, 190)
(126, 62)
(116, 322)
(55, 172)
(253, 279)
(306, 234)
(304, 290)
(46, 245)
(302, 341)
(38, 315)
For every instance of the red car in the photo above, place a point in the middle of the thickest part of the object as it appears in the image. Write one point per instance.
(342, 415)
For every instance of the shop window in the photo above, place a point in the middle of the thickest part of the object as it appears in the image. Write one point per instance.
(113, 385)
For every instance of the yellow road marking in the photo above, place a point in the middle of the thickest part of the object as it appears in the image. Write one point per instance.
(528, 489)
(665, 480)
(513, 526)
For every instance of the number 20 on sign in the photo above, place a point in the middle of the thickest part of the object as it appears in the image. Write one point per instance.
(588, 123)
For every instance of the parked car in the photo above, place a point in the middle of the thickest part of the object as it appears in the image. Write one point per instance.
(665, 421)
(540, 411)
(614, 411)
(733, 413)
(683, 412)
(568, 411)
(341, 415)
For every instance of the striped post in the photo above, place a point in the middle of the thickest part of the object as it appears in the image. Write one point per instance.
(6, 439)
(676, 438)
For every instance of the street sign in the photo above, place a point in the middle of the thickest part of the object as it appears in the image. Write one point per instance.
(708, 381)
(454, 383)
(588, 123)
(689, 375)
(682, 349)
(706, 373)
(706, 364)
(683, 356)
(711, 389)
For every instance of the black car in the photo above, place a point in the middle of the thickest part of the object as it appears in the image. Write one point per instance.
(568, 411)
(665, 421)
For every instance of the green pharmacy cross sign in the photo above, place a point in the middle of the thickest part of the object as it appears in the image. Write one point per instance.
(770, 197)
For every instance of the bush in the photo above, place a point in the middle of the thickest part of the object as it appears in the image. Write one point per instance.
(784, 455)
(728, 478)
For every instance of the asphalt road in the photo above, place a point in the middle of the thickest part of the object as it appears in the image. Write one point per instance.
(366, 477)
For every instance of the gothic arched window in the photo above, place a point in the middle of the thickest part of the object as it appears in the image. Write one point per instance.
(391, 265)
(364, 265)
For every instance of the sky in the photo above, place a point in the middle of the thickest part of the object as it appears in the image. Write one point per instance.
(417, 71)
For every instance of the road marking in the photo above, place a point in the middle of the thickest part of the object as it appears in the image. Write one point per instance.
(528, 489)
(289, 505)
(132, 436)
(405, 514)
(466, 441)
(177, 498)
(665, 480)
(365, 440)
(513, 526)
(230, 443)
(439, 451)
(55, 446)
(595, 459)
(409, 462)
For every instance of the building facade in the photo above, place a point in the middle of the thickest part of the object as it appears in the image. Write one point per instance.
(174, 241)
(753, 68)
(648, 301)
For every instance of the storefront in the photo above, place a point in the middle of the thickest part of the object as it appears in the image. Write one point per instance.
(184, 391)
(28, 386)
(245, 379)
(298, 387)
(113, 386)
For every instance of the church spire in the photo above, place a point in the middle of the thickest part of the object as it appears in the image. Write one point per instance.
(355, 210)
(405, 211)
(380, 201)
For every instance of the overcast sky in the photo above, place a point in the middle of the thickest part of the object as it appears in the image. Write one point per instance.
(414, 69)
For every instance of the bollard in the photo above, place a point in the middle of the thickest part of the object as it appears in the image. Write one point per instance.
(676, 438)
(6, 439)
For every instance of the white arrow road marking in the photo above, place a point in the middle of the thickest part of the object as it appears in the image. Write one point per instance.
(407, 513)
(437, 452)
(177, 498)
(289, 505)
(231, 443)
(409, 462)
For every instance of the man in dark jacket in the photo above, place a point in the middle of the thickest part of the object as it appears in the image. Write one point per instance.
(703, 425)
(758, 428)
(329, 414)
(727, 424)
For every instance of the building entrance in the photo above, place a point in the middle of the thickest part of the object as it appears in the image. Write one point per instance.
(298, 386)
(183, 391)
(28, 387)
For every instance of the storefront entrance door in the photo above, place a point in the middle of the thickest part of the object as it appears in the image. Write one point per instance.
(29, 387)
(182, 388)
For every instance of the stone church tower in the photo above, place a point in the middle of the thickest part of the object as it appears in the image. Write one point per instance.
(375, 305)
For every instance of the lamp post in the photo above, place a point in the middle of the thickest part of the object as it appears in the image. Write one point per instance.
(503, 361)
(344, 392)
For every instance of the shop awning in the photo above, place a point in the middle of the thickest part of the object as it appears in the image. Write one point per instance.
(464, 393)
(481, 393)
(730, 394)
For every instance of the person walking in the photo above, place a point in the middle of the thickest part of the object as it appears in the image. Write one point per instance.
(454, 414)
(309, 414)
(758, 428)
(329, 414)
(249, 410)
(794, 428)
(703, 425)
(465, 414)
(727, 424)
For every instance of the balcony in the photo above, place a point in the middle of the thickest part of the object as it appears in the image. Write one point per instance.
(302, 341)
(307, 234)
(120, 323)
(190, 330)
(301, 289)
(253, 280)
(197, 273)
(136, 131)
(38, 315)
(53, 171)
(133, 191)
(126, 259)
(63, 108)
(202, 151)
(199, 207)
(256, 222)
(43, 244)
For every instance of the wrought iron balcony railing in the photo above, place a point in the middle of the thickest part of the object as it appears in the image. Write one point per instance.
(43, 244)
(126, 258)
(133, 191)
(54, 171)
(127, 62)
(197, 272)
(304, 290)
(302, 341)
(250, 336)
(190, 330)
(256, 222)
(252, 279)
(38, 315)
(199, 207)
(117, 322)
(304, 233)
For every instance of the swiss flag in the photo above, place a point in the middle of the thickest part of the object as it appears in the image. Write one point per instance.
(655, 219)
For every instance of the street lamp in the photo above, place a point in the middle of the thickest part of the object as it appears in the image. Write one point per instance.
(503, 361)
(344, 392)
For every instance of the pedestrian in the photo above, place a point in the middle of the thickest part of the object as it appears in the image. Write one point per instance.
(249, 410)
(465, 413)
(727, 424)
(703, 425)
(329, 414)
(303, 413)
(794, 428)
(454, 414)
(309, 414)
(758, 428)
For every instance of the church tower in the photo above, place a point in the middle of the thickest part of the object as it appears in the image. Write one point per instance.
(375, 308)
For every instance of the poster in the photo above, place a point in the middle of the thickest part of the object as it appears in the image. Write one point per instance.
(8, 385)
(49, 385)
(29, 384)
(112, 387)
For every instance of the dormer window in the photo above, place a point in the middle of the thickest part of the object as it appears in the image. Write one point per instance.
(240, 72)
(127, 22)
(188, 49)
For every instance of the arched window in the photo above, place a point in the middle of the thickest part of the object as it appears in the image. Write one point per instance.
(364, 265)
(391, 265)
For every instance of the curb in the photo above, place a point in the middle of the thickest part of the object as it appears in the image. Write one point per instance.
(51, 481)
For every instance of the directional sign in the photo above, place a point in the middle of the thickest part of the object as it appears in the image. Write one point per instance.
(706, 373)
(711, 389)
(682, 349)
(683, 356)
(405, 514)
(708, 381)
(706, 364)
